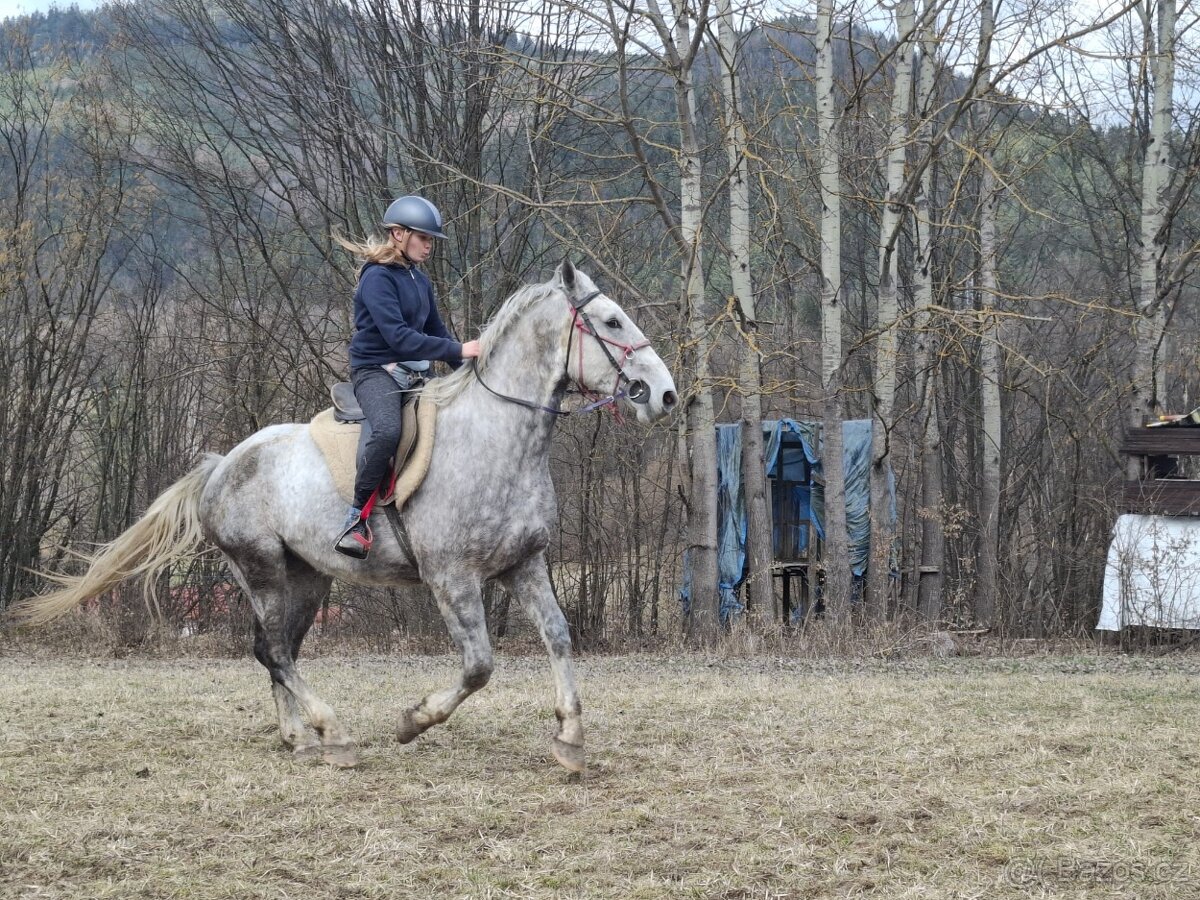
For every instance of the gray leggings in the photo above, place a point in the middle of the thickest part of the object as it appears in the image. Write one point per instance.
(382, 402)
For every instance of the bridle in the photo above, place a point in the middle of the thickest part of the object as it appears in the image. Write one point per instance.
(635, 389)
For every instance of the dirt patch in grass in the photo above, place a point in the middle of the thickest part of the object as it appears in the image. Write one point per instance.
(746, 778)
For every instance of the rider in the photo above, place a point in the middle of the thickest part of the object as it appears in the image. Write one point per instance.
(397, 332)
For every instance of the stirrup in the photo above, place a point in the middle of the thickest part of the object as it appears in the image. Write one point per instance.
(354, 544)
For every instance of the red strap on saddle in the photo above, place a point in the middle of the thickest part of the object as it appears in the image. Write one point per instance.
(365, 513)
(390, 481)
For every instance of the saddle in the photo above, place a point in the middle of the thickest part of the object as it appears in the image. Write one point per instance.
(341, 432)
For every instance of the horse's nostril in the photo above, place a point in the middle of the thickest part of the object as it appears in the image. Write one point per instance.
(669, 399)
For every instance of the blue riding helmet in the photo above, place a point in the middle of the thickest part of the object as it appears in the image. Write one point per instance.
(416, 214)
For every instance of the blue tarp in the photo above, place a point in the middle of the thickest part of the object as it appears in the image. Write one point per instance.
(791, 451)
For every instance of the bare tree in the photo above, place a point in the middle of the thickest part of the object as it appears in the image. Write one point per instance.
(928, 575)
(887, 313)
(1159, 49)
(58, 234)
(759, 550)
(990, 363)
(836, 563)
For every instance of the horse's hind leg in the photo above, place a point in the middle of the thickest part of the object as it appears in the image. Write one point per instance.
(530, 584)
(295, 735)
(286, 593)
(462, 609)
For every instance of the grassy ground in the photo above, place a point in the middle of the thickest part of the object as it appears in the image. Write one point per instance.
(1047, 777)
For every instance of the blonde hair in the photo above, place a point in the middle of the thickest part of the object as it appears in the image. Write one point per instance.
(373, 249)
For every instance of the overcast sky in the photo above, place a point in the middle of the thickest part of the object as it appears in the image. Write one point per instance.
(20, 7)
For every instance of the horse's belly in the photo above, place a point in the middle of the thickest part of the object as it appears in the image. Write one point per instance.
(517, 547)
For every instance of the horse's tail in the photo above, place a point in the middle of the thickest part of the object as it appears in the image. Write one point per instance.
(169, 530)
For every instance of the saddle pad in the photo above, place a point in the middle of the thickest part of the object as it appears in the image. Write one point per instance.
(338, 443)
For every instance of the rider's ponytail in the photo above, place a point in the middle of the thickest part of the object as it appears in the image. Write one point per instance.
(373, 249)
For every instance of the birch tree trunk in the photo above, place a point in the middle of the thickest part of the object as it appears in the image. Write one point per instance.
(884, 394)
(990, 365)
(1150, 322)
(933, 541)
(760, 593)
(704, 621)
(836, 559)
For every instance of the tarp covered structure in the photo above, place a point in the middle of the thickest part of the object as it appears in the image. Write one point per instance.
(791, 453)
(1152, 575)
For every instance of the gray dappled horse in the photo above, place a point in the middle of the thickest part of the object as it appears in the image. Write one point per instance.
(485, 510)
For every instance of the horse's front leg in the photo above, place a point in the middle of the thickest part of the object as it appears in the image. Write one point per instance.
(530, 584)
(462, 608)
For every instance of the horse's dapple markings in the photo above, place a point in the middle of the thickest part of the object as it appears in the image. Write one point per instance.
(486, 510)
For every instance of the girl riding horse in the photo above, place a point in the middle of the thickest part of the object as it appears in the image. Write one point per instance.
(397, 333)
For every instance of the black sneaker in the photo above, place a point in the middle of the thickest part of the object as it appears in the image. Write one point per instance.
(356, 540)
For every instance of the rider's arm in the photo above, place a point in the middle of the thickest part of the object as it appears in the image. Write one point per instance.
(382, 298)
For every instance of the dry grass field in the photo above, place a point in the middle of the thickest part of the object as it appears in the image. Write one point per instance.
(763, 778)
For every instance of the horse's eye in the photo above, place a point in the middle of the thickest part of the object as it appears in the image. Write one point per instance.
(614, 322)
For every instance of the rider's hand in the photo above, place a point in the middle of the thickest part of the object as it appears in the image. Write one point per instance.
(470, 349)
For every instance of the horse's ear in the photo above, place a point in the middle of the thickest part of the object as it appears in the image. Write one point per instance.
(566, 274)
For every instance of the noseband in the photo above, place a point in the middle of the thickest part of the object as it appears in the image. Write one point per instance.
(636, 390)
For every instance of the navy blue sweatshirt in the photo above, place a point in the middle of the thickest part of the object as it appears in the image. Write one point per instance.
(396, 319)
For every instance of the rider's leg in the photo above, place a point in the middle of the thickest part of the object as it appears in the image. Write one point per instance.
(382, 403)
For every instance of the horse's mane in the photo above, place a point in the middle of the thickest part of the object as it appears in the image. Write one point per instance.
(441, 391)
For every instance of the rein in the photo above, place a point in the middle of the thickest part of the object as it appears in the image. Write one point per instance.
(634, 390)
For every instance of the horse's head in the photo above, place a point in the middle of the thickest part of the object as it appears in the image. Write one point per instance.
(608, 354)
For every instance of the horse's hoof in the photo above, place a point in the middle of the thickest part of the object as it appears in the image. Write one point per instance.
(340, 757)
(407, 728)
(569, 756)
(306, 752)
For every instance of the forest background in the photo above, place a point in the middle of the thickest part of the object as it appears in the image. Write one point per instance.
(970, 223)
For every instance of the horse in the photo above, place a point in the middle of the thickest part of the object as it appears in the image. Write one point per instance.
(484, 511)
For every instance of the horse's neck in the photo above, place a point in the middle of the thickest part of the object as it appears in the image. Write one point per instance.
(526, 363)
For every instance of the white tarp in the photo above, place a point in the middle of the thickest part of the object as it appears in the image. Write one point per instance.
(1152, 576)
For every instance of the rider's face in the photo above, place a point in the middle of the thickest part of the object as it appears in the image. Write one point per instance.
(415, 245)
